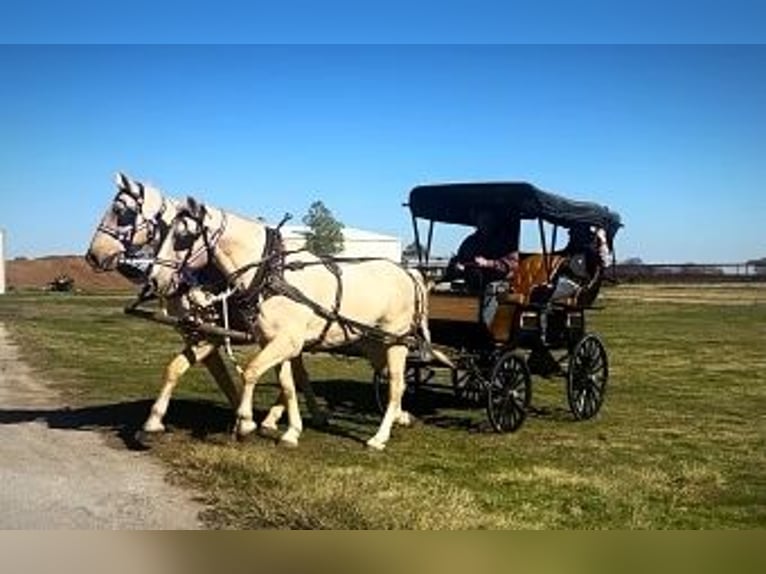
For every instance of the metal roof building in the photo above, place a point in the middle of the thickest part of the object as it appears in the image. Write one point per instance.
(356, 242)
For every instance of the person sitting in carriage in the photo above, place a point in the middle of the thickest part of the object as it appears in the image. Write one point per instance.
(489, 254)
(577, 281)
(587, 254)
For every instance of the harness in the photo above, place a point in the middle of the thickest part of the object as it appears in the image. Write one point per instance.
(125, 233)
(269, 281)
(247, 301)
(209, 243)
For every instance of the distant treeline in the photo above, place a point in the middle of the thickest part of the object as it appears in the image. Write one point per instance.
(690, 272)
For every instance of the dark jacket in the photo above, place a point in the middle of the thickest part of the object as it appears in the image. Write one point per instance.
(500, 247)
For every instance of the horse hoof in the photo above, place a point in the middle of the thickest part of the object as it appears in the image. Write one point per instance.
(153, 427)
(404, 419)
(288, 443)
(376, 445)
(245, 428)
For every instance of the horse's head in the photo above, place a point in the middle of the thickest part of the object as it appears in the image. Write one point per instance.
(188, 247)
(132, 221)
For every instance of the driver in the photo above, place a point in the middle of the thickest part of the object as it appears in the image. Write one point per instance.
(491, 253)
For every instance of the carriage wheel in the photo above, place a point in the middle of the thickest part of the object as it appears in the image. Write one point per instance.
(587, 377)
(412, 379)
(467, 383)
(509, 393)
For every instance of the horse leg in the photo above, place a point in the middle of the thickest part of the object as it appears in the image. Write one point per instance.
(269, 423)
(396, 356)
(377, 355)
(301, 378)
(173, 372)
(295, 424)
(302, 382)
(274, 353)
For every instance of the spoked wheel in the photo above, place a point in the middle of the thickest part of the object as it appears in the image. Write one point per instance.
(467, 383)
(413, 377)
(587, 377)
(509, 392)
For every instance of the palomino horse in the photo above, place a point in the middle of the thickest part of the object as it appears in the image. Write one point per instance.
(296, 301)
(136, 221)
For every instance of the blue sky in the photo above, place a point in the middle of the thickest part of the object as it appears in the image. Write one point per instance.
(672, 137)
(386, 21)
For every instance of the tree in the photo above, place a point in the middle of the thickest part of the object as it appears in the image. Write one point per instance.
(325, 234)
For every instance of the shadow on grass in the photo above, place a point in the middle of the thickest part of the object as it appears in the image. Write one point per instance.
(354, 402)
(351, 406)
(124, 420)
(434, 405)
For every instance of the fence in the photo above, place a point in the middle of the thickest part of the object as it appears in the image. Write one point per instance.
(660, 272)
(690, 272)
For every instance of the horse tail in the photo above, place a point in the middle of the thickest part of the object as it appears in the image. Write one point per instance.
(421, 317)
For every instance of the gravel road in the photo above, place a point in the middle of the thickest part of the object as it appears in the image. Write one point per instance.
(69, 478)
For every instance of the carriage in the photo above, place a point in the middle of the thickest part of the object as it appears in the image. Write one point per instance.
(489, 339)
(498, 335)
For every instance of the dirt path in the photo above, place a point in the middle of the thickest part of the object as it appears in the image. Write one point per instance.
(66, 478)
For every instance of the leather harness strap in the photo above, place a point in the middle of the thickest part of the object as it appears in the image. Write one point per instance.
(269, 281)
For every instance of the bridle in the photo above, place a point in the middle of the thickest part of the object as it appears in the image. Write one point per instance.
(209, 242)
(131, 221)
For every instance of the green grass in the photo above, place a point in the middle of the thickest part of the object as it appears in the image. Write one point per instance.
(680, 442)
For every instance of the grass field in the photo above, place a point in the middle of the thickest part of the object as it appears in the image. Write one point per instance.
(680, 442)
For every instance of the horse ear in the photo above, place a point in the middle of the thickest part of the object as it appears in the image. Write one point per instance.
(133, 188)
(196, 208)
(121, 180)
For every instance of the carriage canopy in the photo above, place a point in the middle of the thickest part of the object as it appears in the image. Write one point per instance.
(455, 203)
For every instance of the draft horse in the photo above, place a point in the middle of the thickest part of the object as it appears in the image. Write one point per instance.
(126, 239)
(296, 301)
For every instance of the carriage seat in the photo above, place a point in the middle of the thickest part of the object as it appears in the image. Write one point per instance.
(533, 271)
(467, 307)
(585, 288)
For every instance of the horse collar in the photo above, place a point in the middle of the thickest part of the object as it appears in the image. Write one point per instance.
(269, 268)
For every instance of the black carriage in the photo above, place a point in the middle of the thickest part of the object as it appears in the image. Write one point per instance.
(499, 334)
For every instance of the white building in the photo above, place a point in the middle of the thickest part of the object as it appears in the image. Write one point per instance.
(356, 242)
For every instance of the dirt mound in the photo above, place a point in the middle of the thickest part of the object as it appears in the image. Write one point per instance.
(38, 273)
